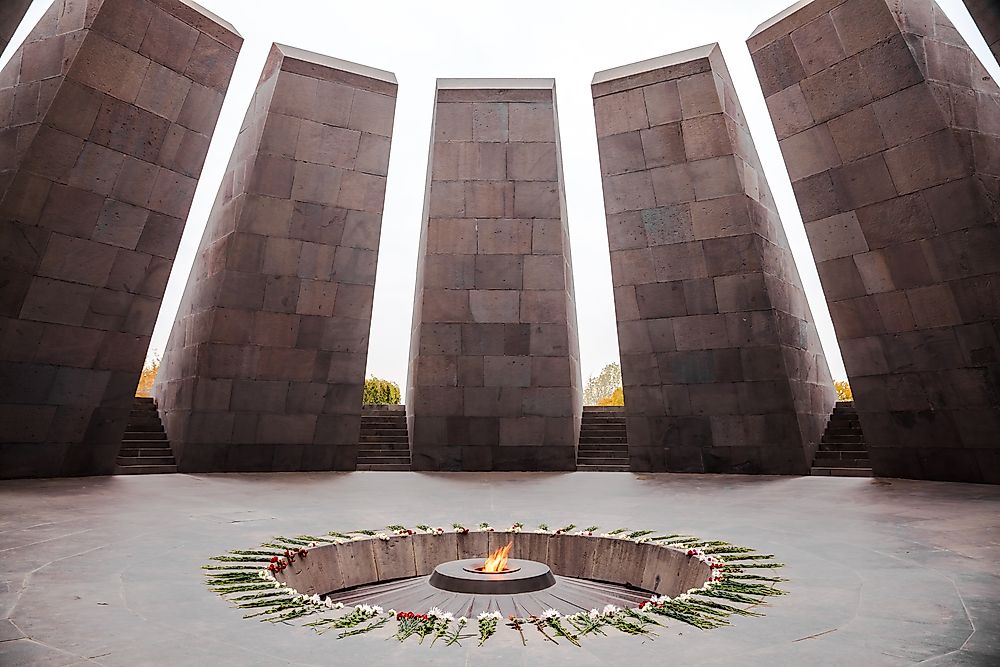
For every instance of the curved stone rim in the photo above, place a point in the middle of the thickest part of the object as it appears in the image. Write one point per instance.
(725, 584)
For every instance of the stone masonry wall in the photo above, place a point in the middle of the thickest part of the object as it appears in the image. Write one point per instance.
(11, 14)
(722, 366)
(986, 14)
(265, 364)
(494, 379)
(106, 113)
(890, 128)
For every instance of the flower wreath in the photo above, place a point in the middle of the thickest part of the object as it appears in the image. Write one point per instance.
(246, 579)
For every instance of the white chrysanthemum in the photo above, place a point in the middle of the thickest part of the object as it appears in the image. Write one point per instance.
(609, 609)
(551, 613)
(378, 610)
(593, 613)
(486, 615)
(382, 536)
(315, 599)
(338, 605)
(435, 612)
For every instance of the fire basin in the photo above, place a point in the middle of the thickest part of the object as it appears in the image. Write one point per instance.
(467, 576)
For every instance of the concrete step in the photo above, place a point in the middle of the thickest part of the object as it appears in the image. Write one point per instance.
(599, 439)
(842, 454)
(382, 438)
(389, 446)
(383, 413)
(397, 453)
(830, 462)
(383, 430)
(123, 460)
(586, 467)
(144, 470)
(383, 467)
(382, 461)
(146, 443)
(602, 453)
(144, 435)
(842, 472)
(598, 461)
(842, 438)
(603, 428)
(144, 451)
(146, 426)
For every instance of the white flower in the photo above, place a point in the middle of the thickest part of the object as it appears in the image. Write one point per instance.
(439, 530)
(608, 535)
(378, 610)
(435, 612)
(448, 616)
(463, 619)
(594, 614)
(515, 529)
(486, 615)
(338, 605)
(315, 599)
(609, 609)
(551, 613)
(391, 612)
(382, 536)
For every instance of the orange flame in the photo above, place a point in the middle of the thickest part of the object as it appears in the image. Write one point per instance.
(497, 561)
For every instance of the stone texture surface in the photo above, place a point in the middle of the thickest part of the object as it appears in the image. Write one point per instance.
(986, 14)
(890, 128)
(11, 13)
(494, 377)
(106, 113)
(266, 361)
(721, 363)
(904, 570)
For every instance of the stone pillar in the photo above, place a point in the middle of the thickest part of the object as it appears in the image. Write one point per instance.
(106, 113)
(494, 378)
(889, 127)
(11, 13)
(721, 363)
(265, 365)
(986, 14)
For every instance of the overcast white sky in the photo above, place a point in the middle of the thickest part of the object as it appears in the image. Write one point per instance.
(565, 39)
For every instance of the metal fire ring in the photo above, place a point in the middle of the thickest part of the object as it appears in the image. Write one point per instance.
(521, 576)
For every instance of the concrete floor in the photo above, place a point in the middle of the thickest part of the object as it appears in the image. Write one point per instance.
(883, 572)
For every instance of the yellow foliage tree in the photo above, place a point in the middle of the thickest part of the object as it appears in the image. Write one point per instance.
(145, 387)
(617, 397)
(843, 390)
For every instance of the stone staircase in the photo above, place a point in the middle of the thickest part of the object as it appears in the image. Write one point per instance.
(603, 442)
(842, 451)
(385, 444)
(145, 449)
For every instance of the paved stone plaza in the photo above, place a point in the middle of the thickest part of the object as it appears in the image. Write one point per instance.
(105, 571)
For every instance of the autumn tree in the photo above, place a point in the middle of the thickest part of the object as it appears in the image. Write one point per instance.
(844, 392)
(145, 387)
(603, 384)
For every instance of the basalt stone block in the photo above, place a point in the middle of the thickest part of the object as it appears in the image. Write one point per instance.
(285, 275)
(707, 297)
(101, 140)
(986, 14)
(494, 377)
(11, 14)
(902, 216)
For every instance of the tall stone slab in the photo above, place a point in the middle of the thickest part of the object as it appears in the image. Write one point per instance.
(986, 14)
(721, 363)
(265, 365)
(11, 13)
(494, 378)
(889, 126)
(106, 113)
